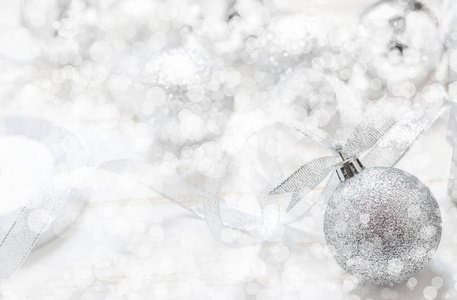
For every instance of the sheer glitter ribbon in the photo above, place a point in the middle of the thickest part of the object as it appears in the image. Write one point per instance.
(447, 25)
(68, 153)
(374, 126)
(28, 227)
(380, 132)
(452, 139)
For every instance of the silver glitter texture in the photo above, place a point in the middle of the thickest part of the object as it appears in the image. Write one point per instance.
(383, 225)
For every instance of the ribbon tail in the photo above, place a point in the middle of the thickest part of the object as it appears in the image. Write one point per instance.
(261, 227)
(349, 106)
(32, 220)
(305, 179)
(452, 139)
(332, 183)
(188, 195)
(398, 141)
(373, 127)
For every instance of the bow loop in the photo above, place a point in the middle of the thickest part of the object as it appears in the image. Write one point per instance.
(371, 129)
(306, 178)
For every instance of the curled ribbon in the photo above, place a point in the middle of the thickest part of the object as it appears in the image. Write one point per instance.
(448, 16)
(60, 200)
(384, 137)
(58, 197)
(68, 153)
(380, 132)
(26, 228)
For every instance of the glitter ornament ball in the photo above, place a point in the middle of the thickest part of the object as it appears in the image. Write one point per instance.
(383, 225)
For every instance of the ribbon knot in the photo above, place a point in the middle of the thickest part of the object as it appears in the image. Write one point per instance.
(365, 136)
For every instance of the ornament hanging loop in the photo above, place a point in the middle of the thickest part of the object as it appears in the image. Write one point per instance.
(348, 168)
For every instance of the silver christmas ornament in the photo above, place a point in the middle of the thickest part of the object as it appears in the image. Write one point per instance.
(382, 225)
(399, 42)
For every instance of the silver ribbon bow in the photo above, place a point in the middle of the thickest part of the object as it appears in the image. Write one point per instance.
(374, 126)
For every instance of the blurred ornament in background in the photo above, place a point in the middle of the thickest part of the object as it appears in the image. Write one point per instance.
(383, 225)
(133, 68)
(311, 39)
(303, 94)
(133, 30)
(127, 30)
(226, 26)
(189, 98)
(399, 44)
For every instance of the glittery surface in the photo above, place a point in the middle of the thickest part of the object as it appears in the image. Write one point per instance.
(383, 225)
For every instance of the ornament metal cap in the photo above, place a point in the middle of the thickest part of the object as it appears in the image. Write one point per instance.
(348, 168)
